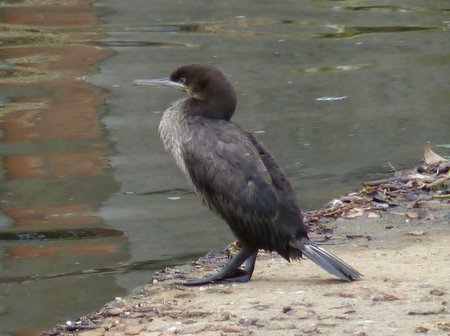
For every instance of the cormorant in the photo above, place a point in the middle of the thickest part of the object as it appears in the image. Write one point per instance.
(235, 175)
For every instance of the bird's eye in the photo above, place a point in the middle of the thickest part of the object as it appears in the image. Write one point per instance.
(182, 80)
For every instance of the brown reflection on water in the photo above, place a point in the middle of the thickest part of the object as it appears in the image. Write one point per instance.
(70, 59)
(71, 112)
(50, 165)
(50, 13)
(71, 104)
(69, 214)
(54, 157)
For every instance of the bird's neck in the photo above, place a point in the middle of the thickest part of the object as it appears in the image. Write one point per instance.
(219, 108)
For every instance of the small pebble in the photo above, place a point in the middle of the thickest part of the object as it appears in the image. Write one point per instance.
(437, 292)
(376, 297)
(287, 309)
(225, 316)
(114, 312)
(133, 330)
(313, 329)
(248, 321)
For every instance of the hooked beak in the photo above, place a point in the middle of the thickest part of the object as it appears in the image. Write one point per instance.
(161, 82)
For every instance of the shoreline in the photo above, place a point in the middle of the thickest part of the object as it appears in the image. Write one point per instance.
(395, 231)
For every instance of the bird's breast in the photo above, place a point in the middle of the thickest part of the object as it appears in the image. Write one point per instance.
(173, 130)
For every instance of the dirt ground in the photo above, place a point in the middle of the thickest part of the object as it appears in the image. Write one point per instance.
(405, 290)
(395, 232)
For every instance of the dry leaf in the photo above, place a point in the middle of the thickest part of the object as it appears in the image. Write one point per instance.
(436, 311)
(412, 214)
(431, 157)
(353, 236)
(436, 326)
(419, 177)
(353, 213)
(437, 291)
(391, 295)
(416, 233)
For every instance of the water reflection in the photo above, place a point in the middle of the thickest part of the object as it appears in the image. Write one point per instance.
(333, 68)
(268, 28)
(55, 172)
(75, 233)
(394, 8)
(345, 32)
(133, 44)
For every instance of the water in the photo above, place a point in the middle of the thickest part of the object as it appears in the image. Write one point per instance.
(339, 91)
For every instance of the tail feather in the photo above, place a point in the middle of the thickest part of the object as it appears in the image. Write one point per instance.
(328, 261)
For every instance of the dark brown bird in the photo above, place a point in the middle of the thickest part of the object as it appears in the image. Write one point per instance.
(235, 175)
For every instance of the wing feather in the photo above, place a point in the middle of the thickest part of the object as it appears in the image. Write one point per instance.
(229, 175)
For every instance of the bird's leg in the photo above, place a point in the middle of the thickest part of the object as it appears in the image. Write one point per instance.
(231, 271)
(243, 275)
(250, 264)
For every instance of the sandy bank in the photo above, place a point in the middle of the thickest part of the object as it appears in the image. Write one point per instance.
(396, 232)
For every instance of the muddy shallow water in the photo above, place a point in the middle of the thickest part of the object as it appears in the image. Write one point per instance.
(339, 91)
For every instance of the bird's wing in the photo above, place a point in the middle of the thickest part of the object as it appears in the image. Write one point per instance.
(228, 173)
(279, 179)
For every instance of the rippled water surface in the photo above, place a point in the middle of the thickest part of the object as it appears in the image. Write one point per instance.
(340, 92)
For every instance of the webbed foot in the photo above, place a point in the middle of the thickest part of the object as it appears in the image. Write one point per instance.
(231, 271)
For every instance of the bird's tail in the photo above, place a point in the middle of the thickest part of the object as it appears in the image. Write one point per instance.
(328, 261)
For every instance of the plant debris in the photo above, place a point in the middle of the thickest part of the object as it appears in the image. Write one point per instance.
(427, 186)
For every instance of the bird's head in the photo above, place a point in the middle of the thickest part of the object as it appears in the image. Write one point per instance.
(211, 94)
